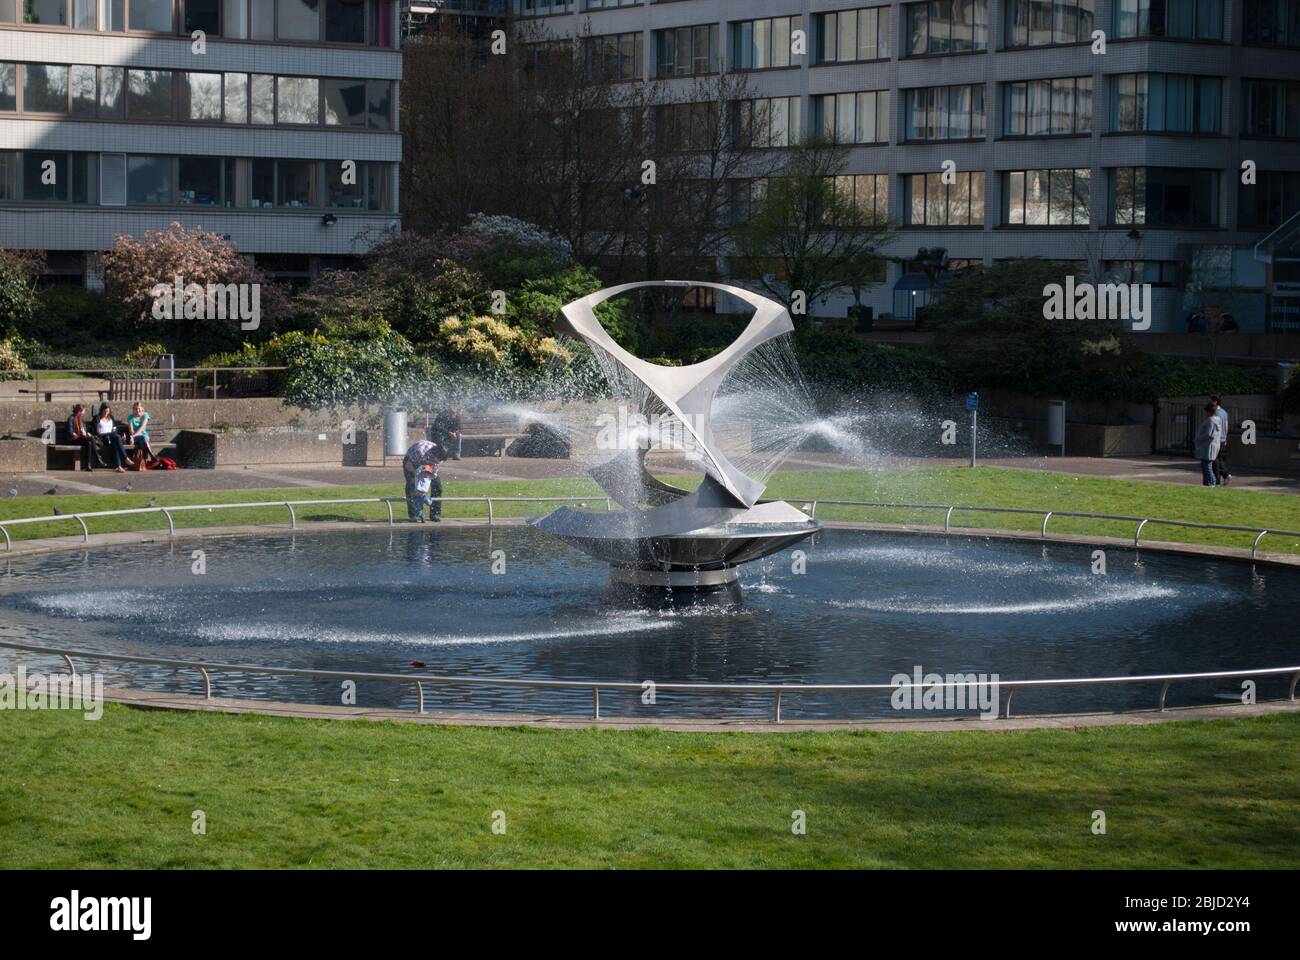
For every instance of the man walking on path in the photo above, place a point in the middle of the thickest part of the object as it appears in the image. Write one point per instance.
(420, 467)
(1221, 473)
(1208, 436)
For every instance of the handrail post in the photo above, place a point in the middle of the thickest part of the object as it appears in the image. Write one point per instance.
(776, 709)
(595, 703)
(489, 506)
(207, 683)
(1255, 546)
(389, 505)
(71, 669)
(1290, 694)
(8, 543)
(85, 531)
(1137, 534)
(293, 517)
(812, 515)
(419, 686)
(609, 505)
(1164, 689)
(1006, 704)
(947, 519)
(171, 525)
(1047, 516)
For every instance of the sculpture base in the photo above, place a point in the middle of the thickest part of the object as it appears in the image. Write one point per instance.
(672, 588)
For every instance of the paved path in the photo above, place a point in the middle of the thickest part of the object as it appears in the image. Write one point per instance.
(1147, 469)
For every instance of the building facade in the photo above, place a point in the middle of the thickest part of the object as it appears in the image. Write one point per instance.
(273, 123)
(1115, 132)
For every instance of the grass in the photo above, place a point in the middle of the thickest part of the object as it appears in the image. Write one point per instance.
(985, 486)
(121, 792)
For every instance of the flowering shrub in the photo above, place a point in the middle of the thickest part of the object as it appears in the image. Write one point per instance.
(505, 237)
(10, 358)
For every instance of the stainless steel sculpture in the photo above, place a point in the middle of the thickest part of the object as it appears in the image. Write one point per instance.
(665, 536)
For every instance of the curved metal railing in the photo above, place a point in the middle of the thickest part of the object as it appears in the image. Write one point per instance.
(809, 504)
(776, 690)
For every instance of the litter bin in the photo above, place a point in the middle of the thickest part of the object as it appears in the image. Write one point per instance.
(395, 433)
(1056, 424)
(1285, 370)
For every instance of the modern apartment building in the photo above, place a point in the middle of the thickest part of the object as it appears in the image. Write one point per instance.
(1133, 156)
(271, 122)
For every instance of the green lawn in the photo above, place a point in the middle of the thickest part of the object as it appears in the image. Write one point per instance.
(985, 486)
(120, 792)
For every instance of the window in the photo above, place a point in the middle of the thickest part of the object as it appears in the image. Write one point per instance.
(617, 56)
(1181, 19)
(45, 176)
(114, 19)
(760, 44)
(152, 15)
(1158, 273)
(262, 98)
(543, 8)
(928, 201)
(294, 181)
(298, 19)
(1040, 108)
(1047, 198)
(202, 95)
(297, 100)
(261, 183)
(1273, 23)
(946, 26)
(45, 88)
(345, 21)
(345, 103)
(150, 180)
(339, 192)
(83, 90)
(687, 126)
(869, 193)
(8, 175)
(854, 117)
(149, 94)
(83, 14)
(45, 13)
(377, 180)
(198, 181)
(852, 35)
(203, 15)
(1164, 197)
(112, 92)
(235, 98)
(1036, 23)
(687, 51)
(1272, 108)
(1269, 202)
(112, 179)
(767, 122)
(945, 113)
(379, 95)
(8, 86)
(1165, 102)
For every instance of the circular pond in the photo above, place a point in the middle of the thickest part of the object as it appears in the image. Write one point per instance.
(867, 606)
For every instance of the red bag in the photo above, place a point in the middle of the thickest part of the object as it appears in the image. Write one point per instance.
(163, 463)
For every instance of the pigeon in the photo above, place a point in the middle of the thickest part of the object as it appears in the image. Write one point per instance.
(153, 502)
(13, 491)
(52, 491)
(127, 488)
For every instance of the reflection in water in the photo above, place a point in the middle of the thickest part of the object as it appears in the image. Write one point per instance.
(869, 605)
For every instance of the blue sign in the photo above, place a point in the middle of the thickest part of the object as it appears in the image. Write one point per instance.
(972, 402)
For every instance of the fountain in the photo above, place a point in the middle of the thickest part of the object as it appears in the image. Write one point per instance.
(666, 537)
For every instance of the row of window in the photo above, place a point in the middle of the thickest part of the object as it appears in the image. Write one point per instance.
(114, 179)
(368, 22)
(939, 27)
(1030, 108)
(119, 93)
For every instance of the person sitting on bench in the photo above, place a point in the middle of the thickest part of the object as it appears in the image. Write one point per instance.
(77, 433)
(138, 423)
(106, 432)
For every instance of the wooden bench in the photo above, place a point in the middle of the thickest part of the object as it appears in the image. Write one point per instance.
(492, 433)
(128, 391)
(49, 395)
(63, 454)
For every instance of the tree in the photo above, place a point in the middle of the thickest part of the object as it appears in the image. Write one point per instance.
(18, 272)
(804, 234)
(135, 269)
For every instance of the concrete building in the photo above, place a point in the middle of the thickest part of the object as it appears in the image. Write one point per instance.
(1130, 154)
(271, 122)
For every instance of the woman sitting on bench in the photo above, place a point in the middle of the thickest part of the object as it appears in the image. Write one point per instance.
(106, 432)
(78, 432)
(138, 423)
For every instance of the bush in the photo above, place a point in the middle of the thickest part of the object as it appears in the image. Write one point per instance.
(333, 373)
(841, 361)
(17, 292)
(11, 361)
(78, 320)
